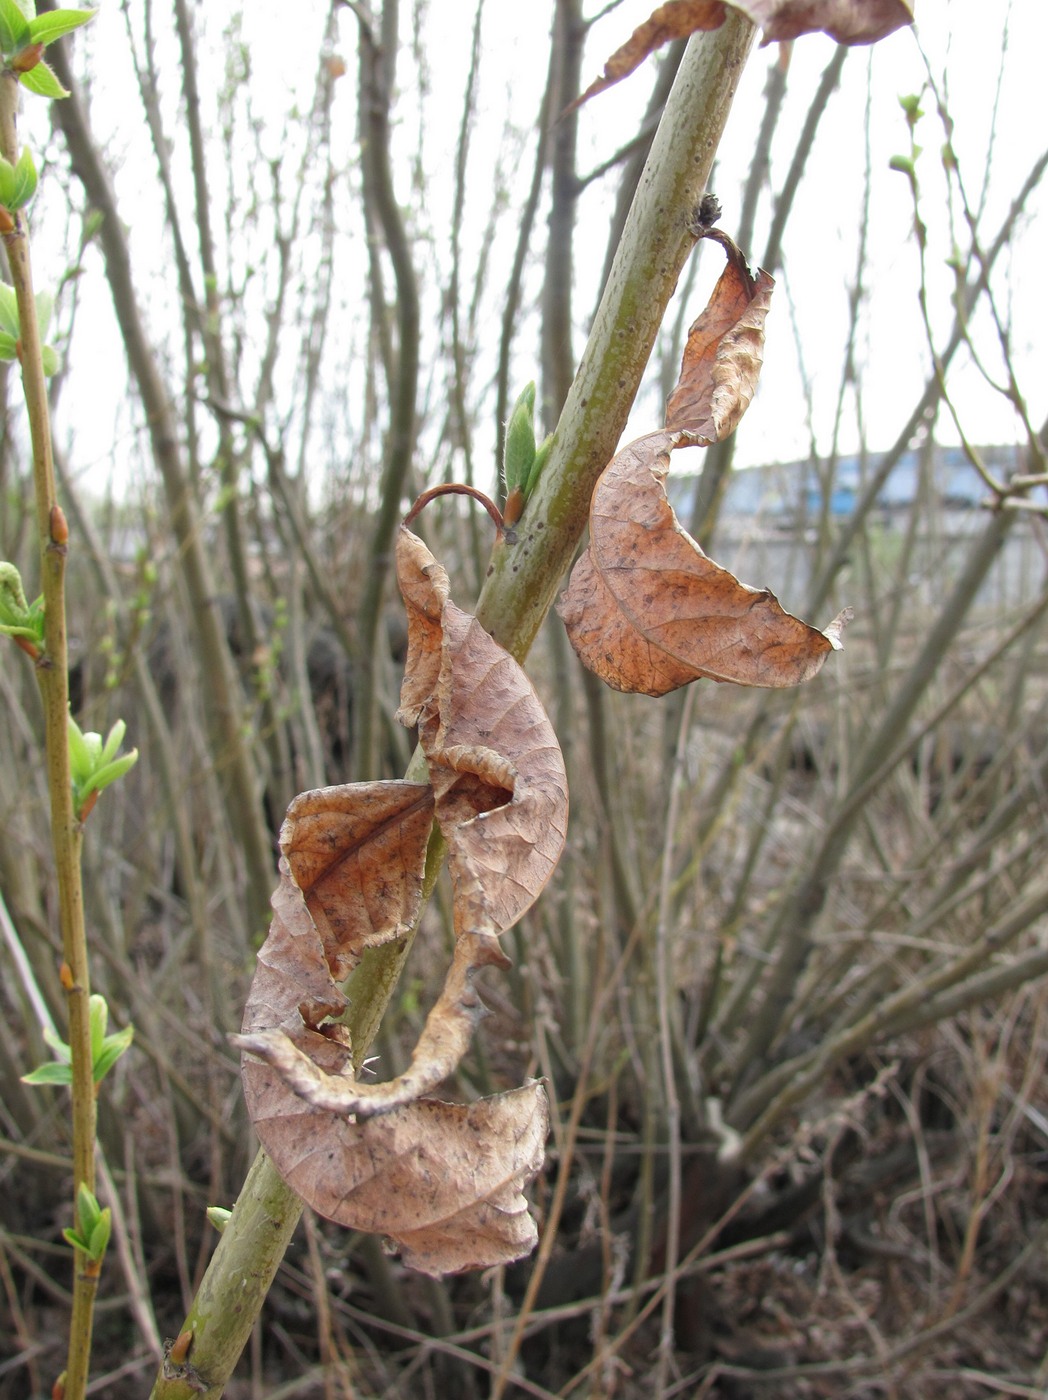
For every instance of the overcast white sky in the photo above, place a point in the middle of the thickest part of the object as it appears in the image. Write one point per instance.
(810, 307)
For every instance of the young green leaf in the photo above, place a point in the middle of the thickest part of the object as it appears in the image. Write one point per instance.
(8, 347)
(57, 1045)
(541, 454)
(105, 1049)
(41, 80)
(98, 1019)
(109, 772)
(17, 617)
(99, 1237)
(24, 181)
(51, 1073)
(46, 28)
(45, 303)
(114, 739)
(94, 765)
(14, 28)
(518, 454)
(80, 760)
(50, 359)
(13, 605)
(112, 1048)
(94, 1226)
(9, 321)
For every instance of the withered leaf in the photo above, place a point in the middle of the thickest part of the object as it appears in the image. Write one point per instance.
(351, 878)
(494, 760)
(722, 358)
(444, 1040)
(674, 20)
(648, 611)
(443, 1181)
(847, 21)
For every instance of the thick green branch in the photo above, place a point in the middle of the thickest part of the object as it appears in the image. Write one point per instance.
(655, 245)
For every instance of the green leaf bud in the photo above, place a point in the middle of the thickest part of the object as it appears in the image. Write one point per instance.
(518, 454)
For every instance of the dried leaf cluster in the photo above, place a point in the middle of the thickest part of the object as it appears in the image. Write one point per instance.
(647, 611)
(443, 1181)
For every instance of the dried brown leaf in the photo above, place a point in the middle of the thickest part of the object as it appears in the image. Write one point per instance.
(444, 1040)
(644, 574)
(443, 1181)
(722, 357)
(674, 20)
(847, 21)
(351, 878)
(494, 760)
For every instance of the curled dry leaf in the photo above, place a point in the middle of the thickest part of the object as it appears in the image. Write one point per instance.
(847, 21)
(442, 1180)
(676, 19)
(722, 357)
(444, 1040)
(494, 761)
(648, 611)
(350, 878)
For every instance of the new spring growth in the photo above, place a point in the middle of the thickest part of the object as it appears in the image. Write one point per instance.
(17, 187)
(519, 451)
(24, 36)
(23, 622)
(11, 327)
(93, 1228)
(105, 1049)
(522, 461)
(94, 765)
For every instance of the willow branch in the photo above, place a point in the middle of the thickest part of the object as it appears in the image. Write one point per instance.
(53, 677)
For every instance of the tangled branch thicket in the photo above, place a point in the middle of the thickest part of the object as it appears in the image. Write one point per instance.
(787, 989)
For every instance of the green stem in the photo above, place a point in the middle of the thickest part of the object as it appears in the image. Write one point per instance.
(516, 598)
(655, 245)
(52, 675)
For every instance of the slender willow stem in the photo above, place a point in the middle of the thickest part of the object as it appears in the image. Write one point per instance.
(52, 675)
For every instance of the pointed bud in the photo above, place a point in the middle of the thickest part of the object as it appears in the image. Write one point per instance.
(28, 58)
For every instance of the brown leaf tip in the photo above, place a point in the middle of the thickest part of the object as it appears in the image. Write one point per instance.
(837, 626)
